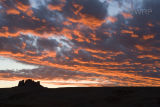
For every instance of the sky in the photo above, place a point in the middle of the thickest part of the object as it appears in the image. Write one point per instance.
(80, 43)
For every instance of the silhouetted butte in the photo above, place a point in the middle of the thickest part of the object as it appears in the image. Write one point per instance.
(29, 83)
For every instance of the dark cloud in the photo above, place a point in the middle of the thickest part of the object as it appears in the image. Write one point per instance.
(94, 8)
(49, 73)
(89, 7)
(10, 44)
(47, 44)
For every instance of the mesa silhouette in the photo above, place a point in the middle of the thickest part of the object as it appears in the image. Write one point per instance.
(29, 83)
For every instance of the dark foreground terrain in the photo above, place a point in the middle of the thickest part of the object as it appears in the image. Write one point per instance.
(80, 97)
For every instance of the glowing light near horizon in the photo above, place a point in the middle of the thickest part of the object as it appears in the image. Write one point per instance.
(8, 84)
(10, 64)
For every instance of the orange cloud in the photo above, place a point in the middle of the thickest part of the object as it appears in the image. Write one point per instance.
(95, 51)
(150, 25)
(127, 15)
(127, 31)
(149, 56)
(55, 7)
(134, 28)
(78, 8)
(146, 37)
(29, 12)
(142, 48)
(112, 19)
(5, 33)
(12, 11)
(94, 37)
(67, 23)
(22, 7)
(134, 36)
(88, 20)
(67, 33)
(99, 57)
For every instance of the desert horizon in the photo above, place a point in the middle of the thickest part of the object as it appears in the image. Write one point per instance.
(29, 93)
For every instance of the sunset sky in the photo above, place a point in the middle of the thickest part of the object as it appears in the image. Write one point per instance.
(80, 43)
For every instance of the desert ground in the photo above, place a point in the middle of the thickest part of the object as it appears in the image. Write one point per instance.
(80, 97)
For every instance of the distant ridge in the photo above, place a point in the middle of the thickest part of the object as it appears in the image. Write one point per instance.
(29, 83)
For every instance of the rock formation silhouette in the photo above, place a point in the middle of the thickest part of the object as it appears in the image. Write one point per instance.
(29, 83)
